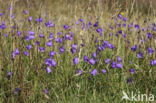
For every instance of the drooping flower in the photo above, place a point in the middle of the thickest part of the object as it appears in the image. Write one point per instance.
(26, 53)
(149, 35)
(129, 80)
(85, 58)
(50, 62)
(73, 50)
(79, 72)
(52, 53)
(92, 61)
(134, 48)
(46, 91)
(94, 55)
(3, 26)
(49, 43)
(5, 35)
(42, 49)
(140, 55)
(41, 35)
(132, 71)
(94, 72)
(104, 71)
(119, 65)
(150, 51)
(76, 60)
(107, 61)
(29, 47)
(9, 73)
(49, 24)
(17, 91)
(17, 52)
(153, 62)
(61, 49)
(1, 14)
(120, 16)
(119, 59)
(48, 70)
(113, 65)
(137, 26)
(39, 20)
(25, 12)
(30, 19)
(96, 24)
(66, 27)
(19, 33)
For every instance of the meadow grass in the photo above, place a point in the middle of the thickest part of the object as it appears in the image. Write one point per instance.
(29, 78)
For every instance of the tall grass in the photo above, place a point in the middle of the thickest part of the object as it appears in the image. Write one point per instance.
(29, 81)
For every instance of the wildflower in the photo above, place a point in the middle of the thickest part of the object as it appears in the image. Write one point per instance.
(74, 46)
(79, 72)
(26, 53)
(118, 65)
(132, 71)
(30, 19)
(46, 91)
(52, 53)
(17, 51)
(66, 27)
(48, 70)
(41, 49)
(19, 33)
(5, 35)
(94, 72)
(49, 43)
(76, 60)
(94, 55)
(107, 61)
(25, 12)
(17, 91)
(134, 48)
(113, 65)
(49, 24)
(92, 61)
(122, 13)
(3, 26)
(1, 14)
(37, 43)
(100, 48)
(61, 49)
(150, 51)
(96, 24)
(125, 19)
(129, 25)
(129, 80)
(9, 73)
(85, 58)
(104, 71)
(39, 20)
(149, 35)
(31, 33)
(41, 35)
(99, 30)
(73, 50)
(50, 62)
(137, 26)
(50, 35)
(153, 62)
(120, 16)
(140, 55)
(119, 59)
(29, 47)
(13, 55)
